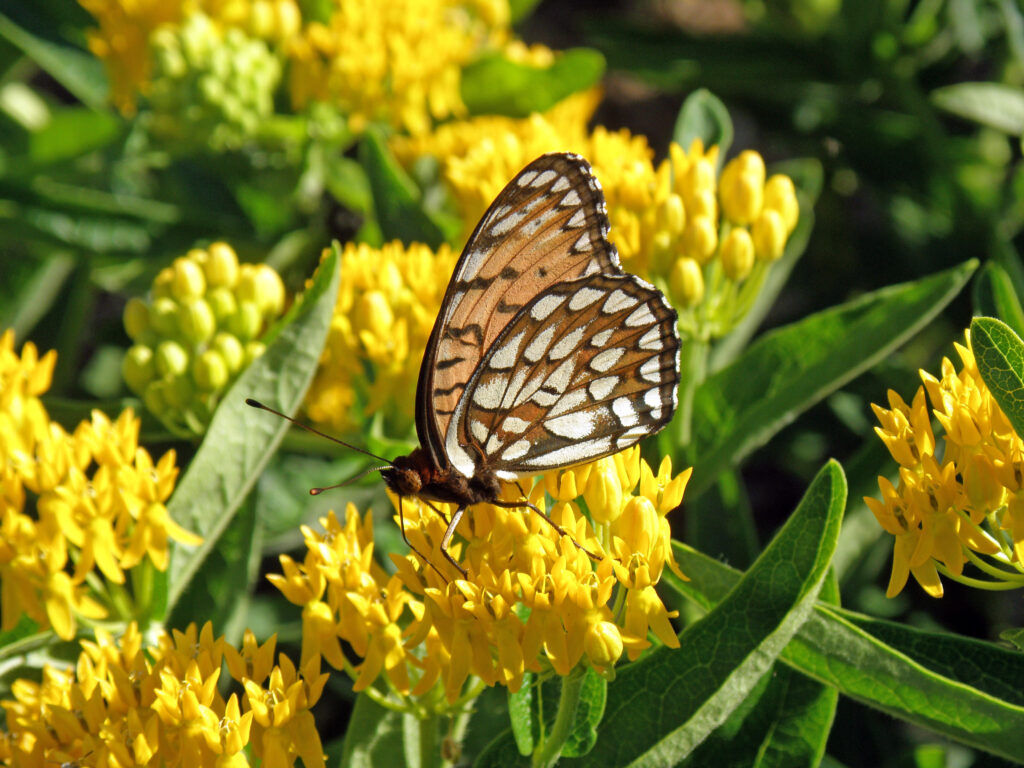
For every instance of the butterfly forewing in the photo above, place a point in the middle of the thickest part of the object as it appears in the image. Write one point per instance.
(546, 228)
(584, 370)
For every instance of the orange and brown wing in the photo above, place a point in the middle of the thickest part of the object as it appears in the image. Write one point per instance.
(548, 226)
(586, 369)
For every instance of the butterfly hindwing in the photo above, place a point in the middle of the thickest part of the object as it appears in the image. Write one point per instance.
(584, 370)
(547, 227)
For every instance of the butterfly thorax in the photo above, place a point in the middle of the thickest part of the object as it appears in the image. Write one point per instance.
(417, 475)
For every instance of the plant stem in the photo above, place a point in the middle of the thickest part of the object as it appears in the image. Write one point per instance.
(551, 749)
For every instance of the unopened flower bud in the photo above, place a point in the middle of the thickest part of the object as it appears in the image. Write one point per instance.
(222, 302)
(171, 359)
(253, 350)
(247, 321)
(737, 254)
(604, 492)
(196, 320)
(221, 266)
(742, 187)
(780, 195)
(163, 316)
(769, 234)
(373, 314)
(188, 282)
(136, 318)
(674, 214)
(686, 282)
(700, 239)
(210, 371)
(138, 367)
(603, 644)
(230, 350)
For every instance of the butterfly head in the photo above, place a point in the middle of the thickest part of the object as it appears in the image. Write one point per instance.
(407, 474)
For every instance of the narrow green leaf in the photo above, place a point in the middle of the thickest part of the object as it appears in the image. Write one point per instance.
(521, 709)
(996, 105)
(703, 116)
(1000, 356)
(724, 655)
(30, 289)
(786, 371)
(533, 702)
(240, 439)
(965, 689)
(78, 71)
(994, 295)
(589, 712)
(73, 132)
(395, 197)
(494, 85)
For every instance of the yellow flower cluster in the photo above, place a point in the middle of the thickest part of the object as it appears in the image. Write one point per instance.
(124, 705)
(123, 38)
(531, 600)
(956, 505)
(398, 61)
(387, 303)
(200, 330)
(98, 502)
(705, 238)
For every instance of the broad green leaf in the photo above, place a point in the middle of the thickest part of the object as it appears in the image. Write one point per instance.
(395, 197)
(703, 116)
(994, 295)
(786, 371)
(724, 655)
(965, 689)
(999, 353)
(240, 439)
(520, 9)
(996, 105)
(374, 736)
(494, 85)
(77, 70)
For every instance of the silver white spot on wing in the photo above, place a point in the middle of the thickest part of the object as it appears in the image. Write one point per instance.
(515, 425)
(601, 338)
(618, 301)
(604, 360)
(624, 411)
(599, 389)
(488, 395)
(573, 454)
(478, 430)
(526, 179)
(543, 178)
(538, 346)
(575, 425)
(568, 402)
(571, 198)
(583, 298)
(640, 316)
(651, 340)
(651, 371)
(516, 450)
(567, 343)
(562, 183)
(506, 224)
(506, 355)
(576, 220)
(652, 399)
(545, 305)
(582, 243)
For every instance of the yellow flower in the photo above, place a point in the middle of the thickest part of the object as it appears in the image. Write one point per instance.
(398, 61)
(98, 502)
(531, 598)
(951, 507)
(386, 307)
(125, 704)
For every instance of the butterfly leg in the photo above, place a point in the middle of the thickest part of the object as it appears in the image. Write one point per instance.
(560, 530)
(424, 558)
(448, 537)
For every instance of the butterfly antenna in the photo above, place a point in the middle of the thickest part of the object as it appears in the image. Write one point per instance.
(257, 404)
(343, 483)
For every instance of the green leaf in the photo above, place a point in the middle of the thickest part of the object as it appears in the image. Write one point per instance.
(996, 105)
(1013, 636)
(395, 197)
(520, 9)
(724, 655)
(374, 737)
(240, 439)
(995, 295)
(78, 71)
(703, 116)
(29, 290)
(999, 353)
(494, 85)
(73, 132)
(533, 702)
(965, 689)
(786, 371)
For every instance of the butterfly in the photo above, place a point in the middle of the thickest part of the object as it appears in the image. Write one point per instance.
(544, 354)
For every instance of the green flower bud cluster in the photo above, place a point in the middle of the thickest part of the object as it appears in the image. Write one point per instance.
(201, 328)
(211, 87)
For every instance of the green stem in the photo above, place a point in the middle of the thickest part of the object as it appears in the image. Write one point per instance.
(692, 368)
(427, 740)
(551, 748)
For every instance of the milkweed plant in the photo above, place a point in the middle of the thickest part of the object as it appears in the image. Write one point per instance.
(208, 202)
